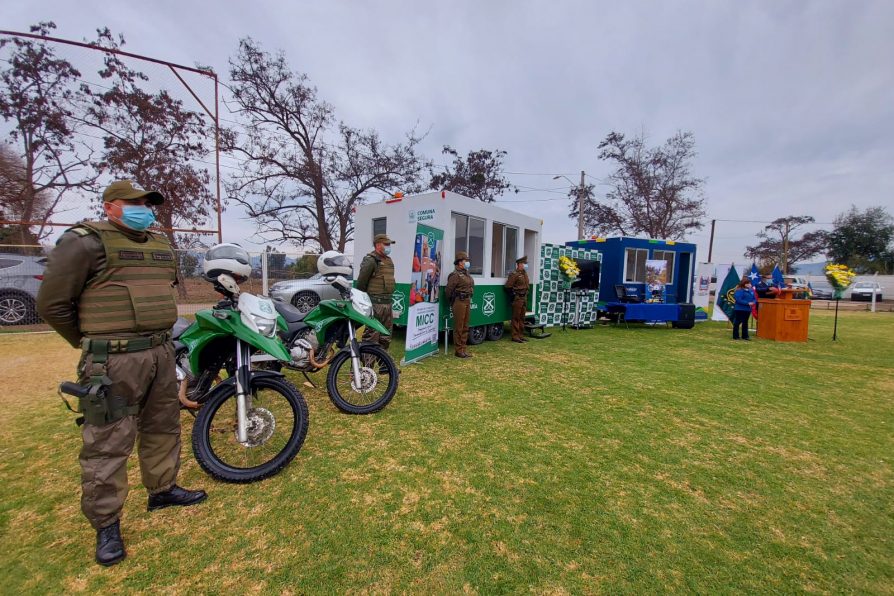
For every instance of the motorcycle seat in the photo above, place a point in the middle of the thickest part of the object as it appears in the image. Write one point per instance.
(289, 313)
(180, 325)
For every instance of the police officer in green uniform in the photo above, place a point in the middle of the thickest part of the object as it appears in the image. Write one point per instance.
(460, 287)
(107, 289)
(517, 285)
(376, 278)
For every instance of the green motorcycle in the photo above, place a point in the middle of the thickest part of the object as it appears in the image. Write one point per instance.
(250, 425)
(362, 377)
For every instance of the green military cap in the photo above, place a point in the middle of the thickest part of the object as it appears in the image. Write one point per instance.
(128, 189)
(523, 259)
(461, 256)
(383, 238)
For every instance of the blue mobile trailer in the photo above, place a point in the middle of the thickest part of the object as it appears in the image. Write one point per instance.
(623, 271)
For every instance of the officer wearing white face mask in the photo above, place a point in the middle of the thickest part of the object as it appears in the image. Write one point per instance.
(517, 285)
(376, 278)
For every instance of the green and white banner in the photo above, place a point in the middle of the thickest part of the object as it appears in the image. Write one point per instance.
(424, 295)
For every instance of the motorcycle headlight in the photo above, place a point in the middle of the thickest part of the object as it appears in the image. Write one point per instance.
(263, 325)
(361, 302)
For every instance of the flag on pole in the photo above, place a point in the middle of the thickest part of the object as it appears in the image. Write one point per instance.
(755, 279)
(726, 295)
(778, 281)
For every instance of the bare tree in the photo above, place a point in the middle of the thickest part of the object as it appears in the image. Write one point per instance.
(303, 173)
(40, 99)
(653, 190)
(478, 175)
(153, 139)
(778, 243)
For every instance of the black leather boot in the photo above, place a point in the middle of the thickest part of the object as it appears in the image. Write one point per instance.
(109, 546)
(176, 496)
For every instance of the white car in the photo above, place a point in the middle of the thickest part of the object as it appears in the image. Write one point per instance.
(793, 281)
(863, 290)
(304, 294)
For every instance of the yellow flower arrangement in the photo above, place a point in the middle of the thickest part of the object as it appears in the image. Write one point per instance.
(840, 276)
(569, 267)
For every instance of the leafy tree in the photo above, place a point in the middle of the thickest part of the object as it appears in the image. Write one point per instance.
(40, 100)
(305, 266)
(276, 261)
(153, 139)
(478, 175)
(653, 190)
(303, 172)
(12, 199)
(188, 263)
(779, 245)
(864, 240)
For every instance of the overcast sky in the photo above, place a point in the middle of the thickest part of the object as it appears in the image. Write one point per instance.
(791, 103)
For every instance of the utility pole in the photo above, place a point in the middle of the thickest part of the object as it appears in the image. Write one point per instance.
(785, 250)
(580, 207)
(711, 241)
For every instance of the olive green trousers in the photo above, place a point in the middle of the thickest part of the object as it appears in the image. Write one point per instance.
(147, 378)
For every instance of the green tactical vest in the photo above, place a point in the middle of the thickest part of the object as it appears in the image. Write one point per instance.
(382, 281)
(133, 293)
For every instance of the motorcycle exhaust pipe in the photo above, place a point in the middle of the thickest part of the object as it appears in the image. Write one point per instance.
(315, 364)
(181, 395)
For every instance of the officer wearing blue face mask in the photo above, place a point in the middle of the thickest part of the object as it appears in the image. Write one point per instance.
(108, 290)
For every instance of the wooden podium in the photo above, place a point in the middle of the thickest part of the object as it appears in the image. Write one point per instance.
(783, 318)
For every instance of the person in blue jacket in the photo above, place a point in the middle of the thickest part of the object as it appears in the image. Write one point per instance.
(744, 300)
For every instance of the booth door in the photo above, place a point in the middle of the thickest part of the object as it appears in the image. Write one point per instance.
(684, 278)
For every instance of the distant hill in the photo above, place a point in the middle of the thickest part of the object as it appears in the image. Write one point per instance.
(810, 268)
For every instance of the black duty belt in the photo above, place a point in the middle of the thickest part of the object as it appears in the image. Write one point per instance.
(380, 299)
(131, 344)
(463, 296)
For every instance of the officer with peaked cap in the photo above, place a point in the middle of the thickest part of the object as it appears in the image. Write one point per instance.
(107, 289)
(459, 290)
(517, 285)
(376, 278)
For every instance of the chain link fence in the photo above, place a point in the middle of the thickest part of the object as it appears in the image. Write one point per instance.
(288, 276)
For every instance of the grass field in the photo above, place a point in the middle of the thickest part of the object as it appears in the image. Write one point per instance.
(611, 460)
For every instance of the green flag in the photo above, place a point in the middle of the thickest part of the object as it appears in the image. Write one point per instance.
(725, 299)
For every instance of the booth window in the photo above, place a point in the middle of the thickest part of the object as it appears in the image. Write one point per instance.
(504, 249)
(468, 234)
(380, 226)
(635, 264)
(666, 255)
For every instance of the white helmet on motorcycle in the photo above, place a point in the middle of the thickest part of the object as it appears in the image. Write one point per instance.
(333, 262)
(227, 258)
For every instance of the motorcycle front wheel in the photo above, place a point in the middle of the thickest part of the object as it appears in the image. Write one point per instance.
(375, 387)
(277, 425)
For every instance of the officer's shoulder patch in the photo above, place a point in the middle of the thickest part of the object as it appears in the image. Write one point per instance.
(81, 231)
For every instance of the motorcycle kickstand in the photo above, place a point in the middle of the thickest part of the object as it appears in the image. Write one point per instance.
(314, 385)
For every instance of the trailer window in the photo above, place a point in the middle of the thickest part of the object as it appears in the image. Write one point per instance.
(468, 233)
(504, 250)
(380, 226)
(666, 255)
(635, 264)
